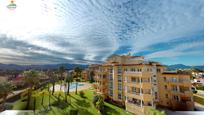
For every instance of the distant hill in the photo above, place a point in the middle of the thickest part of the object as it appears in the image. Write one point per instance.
(40, 67)
(181, 66)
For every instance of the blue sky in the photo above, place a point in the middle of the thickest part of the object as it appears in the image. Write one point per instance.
(88, 31)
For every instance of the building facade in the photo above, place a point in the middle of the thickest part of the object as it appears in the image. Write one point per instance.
(136, 83)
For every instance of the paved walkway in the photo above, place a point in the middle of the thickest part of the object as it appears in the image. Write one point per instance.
(13, 94)
(199, 107)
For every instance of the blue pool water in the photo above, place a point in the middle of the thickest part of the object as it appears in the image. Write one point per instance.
(73, 85)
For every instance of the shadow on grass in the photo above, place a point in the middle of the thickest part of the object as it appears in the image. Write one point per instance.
(83, 103)
(109, 111)
(60, 104)
(83, 111)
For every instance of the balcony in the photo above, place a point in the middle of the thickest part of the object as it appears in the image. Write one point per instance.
(134, 108)
(133, 73)
(134, 95)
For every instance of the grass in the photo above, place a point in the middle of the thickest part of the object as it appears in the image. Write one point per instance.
(199, 99)
(83, 105)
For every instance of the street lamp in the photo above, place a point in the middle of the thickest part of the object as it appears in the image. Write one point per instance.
(12, 5)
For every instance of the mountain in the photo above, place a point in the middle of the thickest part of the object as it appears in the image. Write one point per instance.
(181, 66)
(40, 67)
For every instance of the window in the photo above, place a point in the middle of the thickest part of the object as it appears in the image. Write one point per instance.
(164, 78)
(133, 79)
(110, 93)
(132, 69)
(165, 86)
(156, 97)
(119, 78)
(174, 88)
(176, 97)
(110, 70)
(110, 85)
(174, 79)
(133, 89)
(120, 87)
(166, 95)
(119, 96)
(158, 70)
(119, 69)
(110, 77)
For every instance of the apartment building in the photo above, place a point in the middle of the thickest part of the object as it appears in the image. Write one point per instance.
(175, 91)
(136, 83)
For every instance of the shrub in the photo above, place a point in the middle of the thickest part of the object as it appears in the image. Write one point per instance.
(95, 99)
(200, 87)
(8, 106)
(81, 93)
(98, 101)
(73, 111)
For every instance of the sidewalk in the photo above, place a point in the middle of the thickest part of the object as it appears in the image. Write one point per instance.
(198, 106)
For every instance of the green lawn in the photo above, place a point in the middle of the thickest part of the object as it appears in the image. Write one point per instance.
(83, 105)
(198, 98)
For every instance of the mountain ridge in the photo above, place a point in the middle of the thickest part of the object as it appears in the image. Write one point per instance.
(182, 66)
(40, 67)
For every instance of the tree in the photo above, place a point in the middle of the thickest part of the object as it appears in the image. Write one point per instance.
(77, 76)
(31, 78)
(98, 102)
(92, 74)
(49, 74)
(53, 79)
(68, 80)
(61, 72)
(5, 89)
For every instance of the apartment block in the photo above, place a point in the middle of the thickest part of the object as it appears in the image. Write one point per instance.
(139, 84)
(175, 91)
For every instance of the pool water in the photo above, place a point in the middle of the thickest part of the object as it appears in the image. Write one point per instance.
(73, 85)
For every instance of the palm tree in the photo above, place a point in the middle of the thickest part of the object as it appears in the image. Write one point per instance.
(53, 79)
(92, 74)
(77, 76)
(5, 89)
(61, 72)
(31, 78)
(68, 80)
(49, 74)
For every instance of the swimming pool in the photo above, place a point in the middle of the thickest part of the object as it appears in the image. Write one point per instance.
(73, 85)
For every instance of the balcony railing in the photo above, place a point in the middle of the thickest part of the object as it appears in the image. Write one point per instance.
(132, 72)
(135, 103)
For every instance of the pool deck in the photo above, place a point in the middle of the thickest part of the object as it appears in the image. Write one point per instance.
(84, 87)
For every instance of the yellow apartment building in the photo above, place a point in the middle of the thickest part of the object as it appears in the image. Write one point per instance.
(175, 91)
(139, 84)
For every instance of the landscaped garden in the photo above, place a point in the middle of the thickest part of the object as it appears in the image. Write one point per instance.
(76, 103)
(199, 99)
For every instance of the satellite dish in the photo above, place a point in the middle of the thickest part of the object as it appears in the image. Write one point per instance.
(12, 5)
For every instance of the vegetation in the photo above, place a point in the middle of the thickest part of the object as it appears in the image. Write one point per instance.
(152, 111)
(68, 80)
(61, 72)
(5, 89)
(77, 76)
(78, 105)
(31, 78)
(199, 99)
(92, 74)
(53, 79)
(200, 87)
(81, 93)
